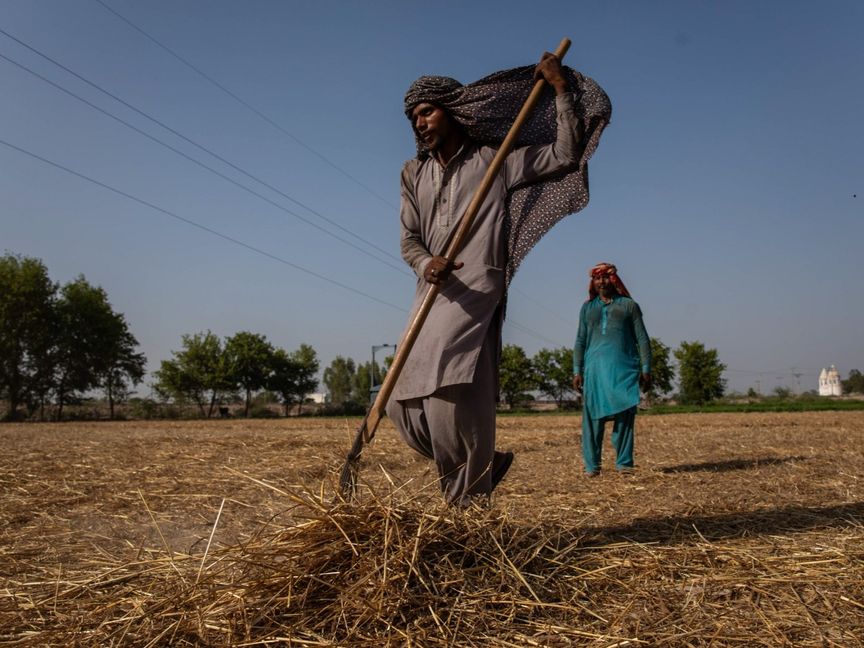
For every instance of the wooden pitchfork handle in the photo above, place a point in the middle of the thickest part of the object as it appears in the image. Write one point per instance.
(367, 429)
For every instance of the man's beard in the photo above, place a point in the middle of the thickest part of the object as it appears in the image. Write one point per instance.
(434, 143)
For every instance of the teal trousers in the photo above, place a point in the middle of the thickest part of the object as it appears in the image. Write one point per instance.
(622, 439)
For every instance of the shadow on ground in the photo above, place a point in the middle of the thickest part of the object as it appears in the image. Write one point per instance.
(682, 528)
(732, 464)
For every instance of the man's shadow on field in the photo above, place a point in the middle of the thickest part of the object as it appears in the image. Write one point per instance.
(732, 464)
(682, 528)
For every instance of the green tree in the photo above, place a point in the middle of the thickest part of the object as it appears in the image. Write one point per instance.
(42, 369)
(86, 326)
(662, 373)
(123, 367)
(854, 383)
(199, 373)
(177, 381)
(293, 375)
(283, 379)
(700, 373)
(249, 360)
(554, 373)
(782, 392)
(307, 360)
(93, 346)
(362, 381)
(26, 325)
(516, 374)
(339, 380)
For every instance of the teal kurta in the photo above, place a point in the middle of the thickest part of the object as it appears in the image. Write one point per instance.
(612, 349)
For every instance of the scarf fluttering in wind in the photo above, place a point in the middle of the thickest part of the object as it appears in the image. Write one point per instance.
(606, 270)
(487, 108)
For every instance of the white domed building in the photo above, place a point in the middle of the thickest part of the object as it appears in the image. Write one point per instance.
(829, 382)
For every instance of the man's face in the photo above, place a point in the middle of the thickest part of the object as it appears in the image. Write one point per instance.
(433, 124)
(603, 286)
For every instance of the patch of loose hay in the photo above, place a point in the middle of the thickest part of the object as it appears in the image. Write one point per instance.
(736, 531)
(367, 574)
(388, 572)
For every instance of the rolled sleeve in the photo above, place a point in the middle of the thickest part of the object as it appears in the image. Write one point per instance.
(531, 163)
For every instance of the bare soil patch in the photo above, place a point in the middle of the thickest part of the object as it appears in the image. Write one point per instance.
(735, 530)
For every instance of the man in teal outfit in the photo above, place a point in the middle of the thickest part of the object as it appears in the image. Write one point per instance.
(611, 360)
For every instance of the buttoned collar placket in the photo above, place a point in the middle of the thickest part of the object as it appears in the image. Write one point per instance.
(604, 312)
(443, 180)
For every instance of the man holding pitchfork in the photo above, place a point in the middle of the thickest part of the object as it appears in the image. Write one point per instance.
(443, 404)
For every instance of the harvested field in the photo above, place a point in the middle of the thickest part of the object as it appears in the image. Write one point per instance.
(736, 530)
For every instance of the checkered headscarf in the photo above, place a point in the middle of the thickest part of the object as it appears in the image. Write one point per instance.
(487, 108)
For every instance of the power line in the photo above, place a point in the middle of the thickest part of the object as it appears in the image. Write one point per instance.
(772, 371)
(276, 125)
(267, 119)
(513, 323)
(199, 163)
(193, 223)
(247, 105)
(532, 332)
(525, 295)
(226, 237)
(186, 139)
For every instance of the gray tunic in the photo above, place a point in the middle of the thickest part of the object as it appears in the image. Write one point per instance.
(434, 198)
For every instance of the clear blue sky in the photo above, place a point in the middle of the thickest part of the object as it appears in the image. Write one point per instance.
(723, 189)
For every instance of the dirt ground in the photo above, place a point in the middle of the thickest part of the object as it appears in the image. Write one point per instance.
(733, 527)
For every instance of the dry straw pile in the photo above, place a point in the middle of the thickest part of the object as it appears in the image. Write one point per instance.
(670, 557)
(367, 574)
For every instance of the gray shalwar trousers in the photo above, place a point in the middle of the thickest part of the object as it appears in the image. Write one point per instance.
(455, 427)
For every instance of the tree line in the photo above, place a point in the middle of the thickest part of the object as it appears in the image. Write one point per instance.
(550, 372)
(208, 371)
(59, 343)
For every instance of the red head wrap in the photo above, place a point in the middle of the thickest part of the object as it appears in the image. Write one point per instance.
(606, 270)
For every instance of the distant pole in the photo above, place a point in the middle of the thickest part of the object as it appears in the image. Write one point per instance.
(797, 375)
(375, 347)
